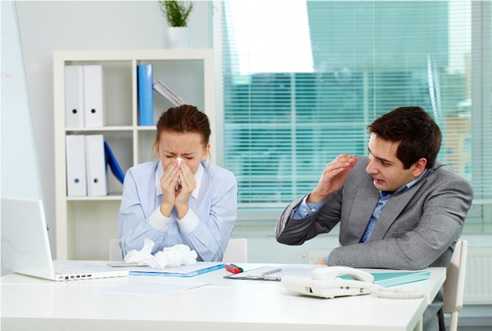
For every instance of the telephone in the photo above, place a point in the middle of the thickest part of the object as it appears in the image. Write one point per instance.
(327, 282)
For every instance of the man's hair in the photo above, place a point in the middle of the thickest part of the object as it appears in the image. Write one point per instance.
(418, 134)
(182, 119)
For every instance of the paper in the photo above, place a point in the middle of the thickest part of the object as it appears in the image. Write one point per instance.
(261, 273)
(151, 288)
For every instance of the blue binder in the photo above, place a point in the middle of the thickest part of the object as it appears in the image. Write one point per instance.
(145, 95)
(113, 163)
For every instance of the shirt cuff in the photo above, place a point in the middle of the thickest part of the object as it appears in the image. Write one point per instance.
(189, 222)
(305, 209)
(159, 221)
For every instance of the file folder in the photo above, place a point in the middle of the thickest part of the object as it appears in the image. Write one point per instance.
(182, 272)
(96, 166)
(74, 97)
(145, 95)
(113, 163)
(76, 180)
(93, 96)
(167, 93)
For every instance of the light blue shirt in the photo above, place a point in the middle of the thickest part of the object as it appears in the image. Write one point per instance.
(206, 227)
(305, 209)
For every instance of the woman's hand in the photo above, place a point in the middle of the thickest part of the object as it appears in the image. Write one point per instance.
(188, 184)
(333, 177)
(168, 187)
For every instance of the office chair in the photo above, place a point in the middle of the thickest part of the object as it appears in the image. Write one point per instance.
(454, 286)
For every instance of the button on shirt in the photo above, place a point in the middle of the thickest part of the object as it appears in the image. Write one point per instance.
(206, 227)
(305, 209)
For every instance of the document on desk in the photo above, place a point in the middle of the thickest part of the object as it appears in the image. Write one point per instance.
(183, 271)
(150, 286)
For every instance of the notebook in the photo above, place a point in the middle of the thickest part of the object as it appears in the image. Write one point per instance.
(183, 271)
(389, 279)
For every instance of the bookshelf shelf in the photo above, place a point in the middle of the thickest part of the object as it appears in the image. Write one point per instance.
(103, 198)
(146, 128)
(103, 129)
(86, 225)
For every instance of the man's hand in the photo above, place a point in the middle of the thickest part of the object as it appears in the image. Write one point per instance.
(168, 187)
(187, 186)
(322, 262)
(332, 178)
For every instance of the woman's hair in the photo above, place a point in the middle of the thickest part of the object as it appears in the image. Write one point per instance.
(182, 119)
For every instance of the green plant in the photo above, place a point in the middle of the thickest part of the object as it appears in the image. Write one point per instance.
(176, 12)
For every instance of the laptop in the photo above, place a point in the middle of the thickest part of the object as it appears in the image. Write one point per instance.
(26, 248)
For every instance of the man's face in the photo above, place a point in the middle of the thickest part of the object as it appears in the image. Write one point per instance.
(386, 170)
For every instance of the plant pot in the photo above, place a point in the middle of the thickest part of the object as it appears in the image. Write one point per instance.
(179, 37)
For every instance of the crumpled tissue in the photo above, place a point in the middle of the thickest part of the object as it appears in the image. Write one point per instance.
(174, 256)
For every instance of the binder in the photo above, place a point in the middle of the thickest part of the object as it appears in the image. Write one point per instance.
(76, 180)
(113, 163)
(96, 166)
(145, 96)
(74, 97)
(93, 96)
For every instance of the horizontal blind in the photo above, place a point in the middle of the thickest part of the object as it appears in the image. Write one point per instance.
(283, 124)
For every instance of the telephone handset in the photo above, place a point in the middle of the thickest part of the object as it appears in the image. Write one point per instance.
(327, 282)
(334, 272)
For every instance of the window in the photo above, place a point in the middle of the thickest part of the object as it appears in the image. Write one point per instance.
(340, 65)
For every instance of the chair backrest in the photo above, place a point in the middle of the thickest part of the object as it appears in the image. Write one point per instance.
(454, 286)
(115, 250)
(236, 251)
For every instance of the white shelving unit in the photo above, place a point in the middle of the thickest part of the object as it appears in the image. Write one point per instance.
(85, 225)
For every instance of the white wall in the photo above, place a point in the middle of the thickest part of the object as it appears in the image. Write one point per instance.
(85, 25)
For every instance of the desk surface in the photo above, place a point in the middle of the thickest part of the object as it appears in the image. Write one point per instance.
(213, 303)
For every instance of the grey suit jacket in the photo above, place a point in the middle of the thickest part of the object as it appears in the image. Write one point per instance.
(417, 228)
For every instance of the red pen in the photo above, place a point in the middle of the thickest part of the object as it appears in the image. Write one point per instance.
(233, 269)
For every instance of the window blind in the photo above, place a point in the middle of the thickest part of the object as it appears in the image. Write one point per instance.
(341, 64)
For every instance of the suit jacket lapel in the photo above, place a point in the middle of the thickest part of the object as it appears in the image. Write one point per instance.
(393, 208)
(364, 202)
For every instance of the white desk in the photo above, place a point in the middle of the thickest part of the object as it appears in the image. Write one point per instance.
(146, 303)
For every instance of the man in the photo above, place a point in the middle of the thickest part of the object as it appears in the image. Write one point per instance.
(398, 208)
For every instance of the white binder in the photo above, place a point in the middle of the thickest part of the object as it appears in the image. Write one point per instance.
(93, 96)
(96, 166)
(74, 97)
(76, 180)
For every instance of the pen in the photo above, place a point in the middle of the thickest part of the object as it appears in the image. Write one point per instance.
(233, 269)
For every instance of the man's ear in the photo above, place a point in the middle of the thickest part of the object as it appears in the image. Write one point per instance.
(419, 167)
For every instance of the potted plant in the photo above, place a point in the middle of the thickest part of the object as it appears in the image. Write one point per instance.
(177, 13)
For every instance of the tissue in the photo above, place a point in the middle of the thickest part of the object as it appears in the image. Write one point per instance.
(174, 256)
(142, 256)
(178, 184)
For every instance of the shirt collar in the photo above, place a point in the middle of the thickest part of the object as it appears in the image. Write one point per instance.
(405, 187)
(198, 180)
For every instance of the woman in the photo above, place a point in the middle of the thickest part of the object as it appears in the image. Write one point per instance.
(181, 198)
